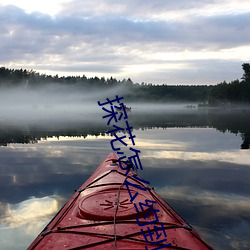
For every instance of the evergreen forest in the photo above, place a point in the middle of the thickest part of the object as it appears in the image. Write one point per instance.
(224, 93)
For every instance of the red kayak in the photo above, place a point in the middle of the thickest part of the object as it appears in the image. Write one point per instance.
(116, 209)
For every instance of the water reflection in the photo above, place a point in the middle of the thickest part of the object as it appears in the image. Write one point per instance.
(29, 210)
(193, 161)
(23, 131)
(20, 222)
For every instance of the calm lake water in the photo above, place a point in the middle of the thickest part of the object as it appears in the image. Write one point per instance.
(197, 160)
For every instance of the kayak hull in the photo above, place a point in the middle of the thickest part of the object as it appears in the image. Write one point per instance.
(100, 214)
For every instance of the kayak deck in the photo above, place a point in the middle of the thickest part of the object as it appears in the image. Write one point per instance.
(100, 214)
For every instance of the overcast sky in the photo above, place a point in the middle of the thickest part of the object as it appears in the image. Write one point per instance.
(157, 41)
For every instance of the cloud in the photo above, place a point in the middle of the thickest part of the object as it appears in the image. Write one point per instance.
(92, 37)
(122, 30)
(147, 9)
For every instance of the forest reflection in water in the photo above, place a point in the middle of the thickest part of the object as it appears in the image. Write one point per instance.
(193, 159)
(235, 121)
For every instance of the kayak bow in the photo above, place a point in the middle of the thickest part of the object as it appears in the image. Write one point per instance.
(100, 215)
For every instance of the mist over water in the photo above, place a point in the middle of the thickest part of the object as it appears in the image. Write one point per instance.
(59, 107)
(55, 102)
(60, 102)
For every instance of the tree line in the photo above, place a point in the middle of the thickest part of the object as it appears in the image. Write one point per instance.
(236, 91)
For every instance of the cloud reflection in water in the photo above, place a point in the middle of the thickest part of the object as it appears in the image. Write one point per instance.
(25, 220)
(198, 171)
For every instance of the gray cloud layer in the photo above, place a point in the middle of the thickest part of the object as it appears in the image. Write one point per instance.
(91, 37)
